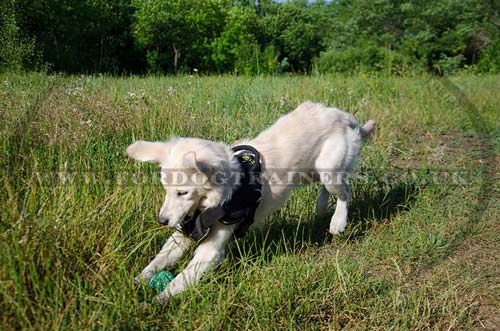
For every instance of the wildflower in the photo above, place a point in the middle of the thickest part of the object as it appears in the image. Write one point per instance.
(282, 101)
(87, 122)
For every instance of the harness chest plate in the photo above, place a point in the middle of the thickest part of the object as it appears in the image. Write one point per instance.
(240, 209)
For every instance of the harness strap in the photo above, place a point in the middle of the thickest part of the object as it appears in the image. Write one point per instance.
(240, 209)
(199, 226)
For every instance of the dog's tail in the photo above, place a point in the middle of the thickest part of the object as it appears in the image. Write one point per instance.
(367, 129)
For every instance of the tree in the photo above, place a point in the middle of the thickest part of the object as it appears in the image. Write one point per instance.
(16, 51)
(178, 33)
(82, 36)
(296, 29)
(437, 31)
(437, 34)
(248, 36)
(237, 47)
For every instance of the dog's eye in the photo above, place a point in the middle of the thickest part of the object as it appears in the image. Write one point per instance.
(179, 193)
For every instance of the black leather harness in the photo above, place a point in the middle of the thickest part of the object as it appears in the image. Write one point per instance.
(240, 209)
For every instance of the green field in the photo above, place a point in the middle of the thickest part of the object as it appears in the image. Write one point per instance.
(79, 219)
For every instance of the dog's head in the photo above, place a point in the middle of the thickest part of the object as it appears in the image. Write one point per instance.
(195, 174)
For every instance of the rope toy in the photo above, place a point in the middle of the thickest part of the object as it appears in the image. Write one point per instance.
(160, 280)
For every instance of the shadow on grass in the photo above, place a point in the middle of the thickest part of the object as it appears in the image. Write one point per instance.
(370, 204)
(379, 204)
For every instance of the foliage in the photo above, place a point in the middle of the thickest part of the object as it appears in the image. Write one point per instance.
(449, 64)
(237, 48)
(296, 29)
(252, 37)
(367, 58)
(82, 36)
(490, 59)
(16, 51)
(179, 33)
(440, 35)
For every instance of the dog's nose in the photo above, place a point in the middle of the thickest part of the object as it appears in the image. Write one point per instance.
(162, 220)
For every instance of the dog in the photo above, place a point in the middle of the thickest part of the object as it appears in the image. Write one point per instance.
(321, 143)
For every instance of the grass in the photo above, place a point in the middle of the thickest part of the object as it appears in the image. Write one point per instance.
(78, 219)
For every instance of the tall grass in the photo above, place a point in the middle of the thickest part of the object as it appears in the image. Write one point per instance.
(78, 218)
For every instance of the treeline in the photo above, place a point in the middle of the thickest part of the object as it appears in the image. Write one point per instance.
(249, 37)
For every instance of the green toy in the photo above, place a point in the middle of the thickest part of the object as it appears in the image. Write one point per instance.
(160, 280)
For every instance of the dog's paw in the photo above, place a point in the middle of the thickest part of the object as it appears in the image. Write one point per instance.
(336, 230)
(338, 222)
(337, 226)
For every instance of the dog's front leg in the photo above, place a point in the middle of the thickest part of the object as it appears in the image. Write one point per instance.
(170, 253)
(208, 255)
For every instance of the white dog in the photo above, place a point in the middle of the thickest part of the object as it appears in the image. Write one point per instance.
(313, 140)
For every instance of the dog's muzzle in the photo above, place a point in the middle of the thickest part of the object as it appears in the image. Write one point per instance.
(163, 220)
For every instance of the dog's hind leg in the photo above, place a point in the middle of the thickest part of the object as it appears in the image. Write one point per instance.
(336, 157)
(170, 253)
(322, 206)
(339, 218)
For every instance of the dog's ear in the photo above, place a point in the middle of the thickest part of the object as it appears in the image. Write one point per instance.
(146, 151)
(190, 160)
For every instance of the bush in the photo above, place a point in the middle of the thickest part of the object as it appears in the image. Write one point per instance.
(250, 60)
(490, 59)
(356, 59)
(449, 64)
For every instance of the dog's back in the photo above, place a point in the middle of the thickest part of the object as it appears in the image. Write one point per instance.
(296, 139)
